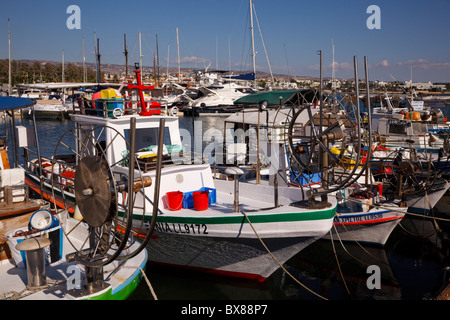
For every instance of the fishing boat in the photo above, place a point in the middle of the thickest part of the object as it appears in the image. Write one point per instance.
(224, 227)
(51, 103)
(364, 216)
(50, 253)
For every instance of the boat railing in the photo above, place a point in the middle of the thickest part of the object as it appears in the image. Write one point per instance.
(116, 107)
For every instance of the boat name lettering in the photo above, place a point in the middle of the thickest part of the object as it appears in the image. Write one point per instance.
(343, 219)
(186, 228)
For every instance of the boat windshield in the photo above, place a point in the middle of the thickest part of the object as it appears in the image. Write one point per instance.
(148, 137)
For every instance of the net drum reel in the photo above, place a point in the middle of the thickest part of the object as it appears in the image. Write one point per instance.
(104, 199)
(336, 125)
(408, 172)
(311, 149)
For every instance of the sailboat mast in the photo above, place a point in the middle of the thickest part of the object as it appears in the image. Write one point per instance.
(178, 56)
(157, 61)
(253, 41)
(9, 61)
(168, 58)
(62, 75)
(332, 68)
(84, 64)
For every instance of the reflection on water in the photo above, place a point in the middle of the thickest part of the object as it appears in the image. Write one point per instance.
(411, 268)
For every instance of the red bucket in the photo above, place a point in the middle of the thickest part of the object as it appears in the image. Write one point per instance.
(174, 200)
(201, 200)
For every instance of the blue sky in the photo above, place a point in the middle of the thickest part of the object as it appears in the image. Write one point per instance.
(414, 37)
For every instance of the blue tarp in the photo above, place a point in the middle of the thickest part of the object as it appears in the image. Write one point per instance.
(247, 76)
(8, 103)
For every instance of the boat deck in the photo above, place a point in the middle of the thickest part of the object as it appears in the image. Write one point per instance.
(252, 198)
(59, 277)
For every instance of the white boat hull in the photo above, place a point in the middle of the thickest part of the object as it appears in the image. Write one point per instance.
(357, 229)
(242, 258)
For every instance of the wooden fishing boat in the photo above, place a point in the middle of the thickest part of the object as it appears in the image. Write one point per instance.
(366, 217)
(47, 254)
(225, 227)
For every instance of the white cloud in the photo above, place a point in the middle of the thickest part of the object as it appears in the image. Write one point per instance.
(337, 67)
(421, 64)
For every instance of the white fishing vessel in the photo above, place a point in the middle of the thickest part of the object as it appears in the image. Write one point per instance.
(52, 254)
(51, 102)
(365, 217)
(362, 214)
(225, 227)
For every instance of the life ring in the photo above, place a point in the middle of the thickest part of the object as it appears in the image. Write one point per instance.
(174, 111)
(117, 113)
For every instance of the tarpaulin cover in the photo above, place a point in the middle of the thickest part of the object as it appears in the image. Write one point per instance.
(8, 103)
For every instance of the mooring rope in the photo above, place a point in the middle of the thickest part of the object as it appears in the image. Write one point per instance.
(16, 295)
(337, 260)
(146, 280)
(353, 239)
(275, 259)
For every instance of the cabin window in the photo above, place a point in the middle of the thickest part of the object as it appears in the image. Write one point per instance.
(397, 128)
(419, 128)
(147, 137)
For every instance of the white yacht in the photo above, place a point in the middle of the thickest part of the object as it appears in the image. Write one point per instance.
(219, 95)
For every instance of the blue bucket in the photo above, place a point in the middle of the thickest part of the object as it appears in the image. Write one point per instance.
(42, 220)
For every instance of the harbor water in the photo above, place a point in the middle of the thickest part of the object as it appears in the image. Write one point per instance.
(413, 265)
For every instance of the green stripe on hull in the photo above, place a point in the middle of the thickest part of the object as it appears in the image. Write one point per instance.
(123, 294)
(254, 218)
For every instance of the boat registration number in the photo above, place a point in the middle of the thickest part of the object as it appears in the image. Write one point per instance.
(186, 228)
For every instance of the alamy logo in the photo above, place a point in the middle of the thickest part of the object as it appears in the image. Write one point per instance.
(374, 280)
(74, 20)
(74, 280)
(374, 21)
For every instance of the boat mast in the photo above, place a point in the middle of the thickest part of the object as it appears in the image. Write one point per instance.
(178, 56)
(84, 64)
(62, 75)
(157, 60)
(168, 57)
(253, 42)
(332, 68)
(9, 61)
(140, 55)
(97, 50)
(126, 54)
(323, 156)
